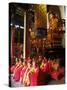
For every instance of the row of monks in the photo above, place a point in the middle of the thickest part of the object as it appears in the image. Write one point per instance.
(34, 72)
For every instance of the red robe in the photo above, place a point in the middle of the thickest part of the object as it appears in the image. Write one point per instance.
(17, 73)
(12, 69)
(33, 78)
(55, 75)
(50, 67)
(22, 73)
(61, 70)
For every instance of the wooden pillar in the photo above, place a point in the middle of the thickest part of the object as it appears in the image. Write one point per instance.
(24, 43)
(28, 35)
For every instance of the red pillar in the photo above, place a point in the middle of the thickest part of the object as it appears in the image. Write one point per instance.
(12, 46)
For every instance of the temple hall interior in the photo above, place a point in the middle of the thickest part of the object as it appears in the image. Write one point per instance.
(36, 44)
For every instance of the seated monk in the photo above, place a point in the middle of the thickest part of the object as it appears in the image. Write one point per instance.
(55, 65)
(50, 65)
(33, 74)
(14, 66)
(17, 71)
(55, 73)
(26, 81)
(23, 71)
(44, 66)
